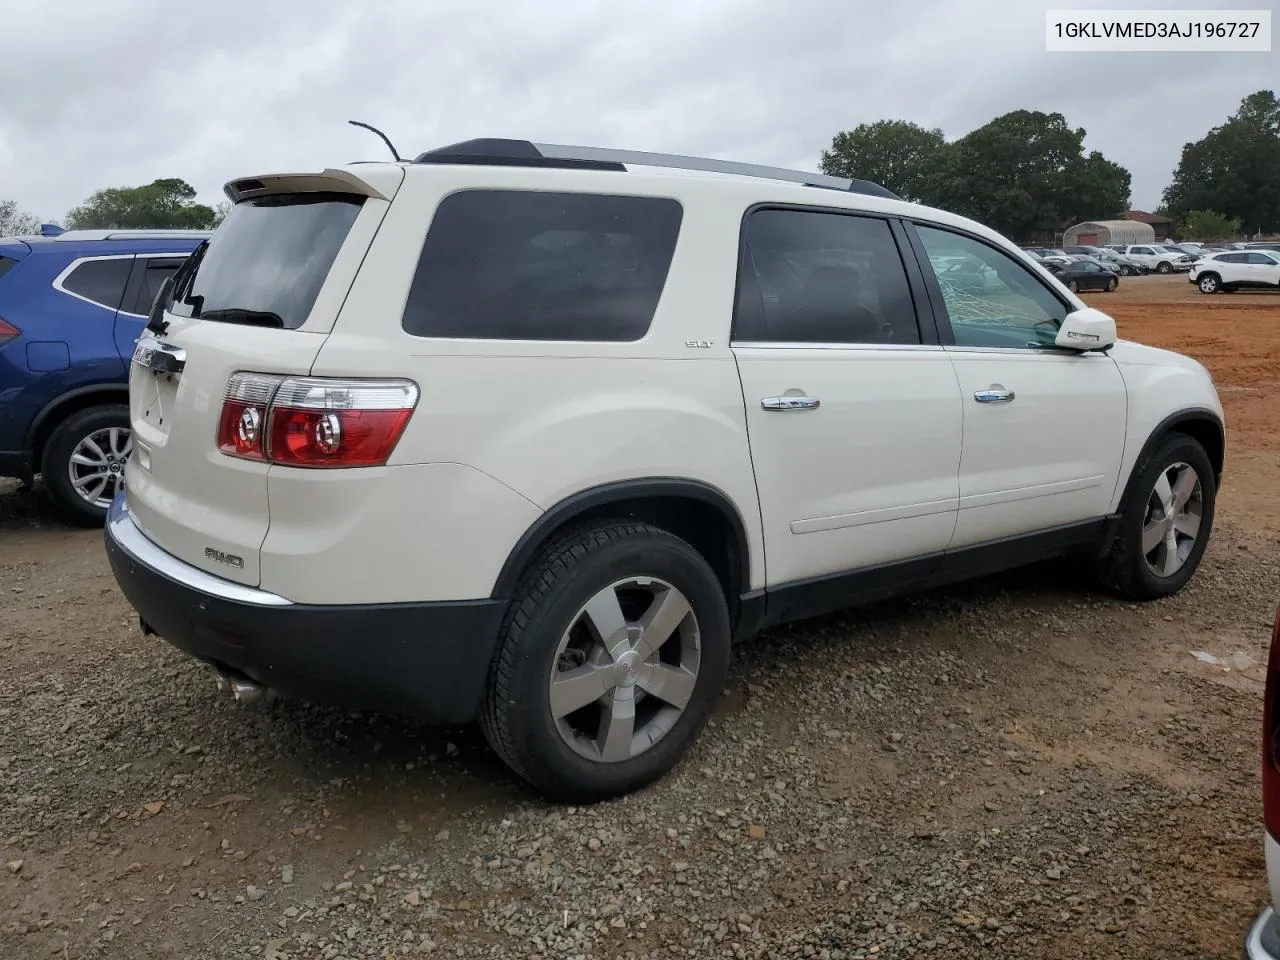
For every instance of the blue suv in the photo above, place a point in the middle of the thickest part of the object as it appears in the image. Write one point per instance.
(72, 303)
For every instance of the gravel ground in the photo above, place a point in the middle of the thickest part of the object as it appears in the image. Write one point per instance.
(1017, 768)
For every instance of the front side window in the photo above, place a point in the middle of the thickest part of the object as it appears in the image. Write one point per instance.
(1262, 258)
(991, 299)
(267, 261)
(101, 281)
(813, 277)
(527, 265)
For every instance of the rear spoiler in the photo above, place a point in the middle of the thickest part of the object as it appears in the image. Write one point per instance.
(15, 248)
(379, 181)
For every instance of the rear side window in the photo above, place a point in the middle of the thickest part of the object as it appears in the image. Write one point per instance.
(809, 277)
(7, 264)
(524, 265)
(101, 281)
(266, 263)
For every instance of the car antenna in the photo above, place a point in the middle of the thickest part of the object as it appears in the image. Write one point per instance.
(385, 138)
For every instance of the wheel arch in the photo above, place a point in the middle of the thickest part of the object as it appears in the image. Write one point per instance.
(697, 512)
(1201, 424)
(65, 405)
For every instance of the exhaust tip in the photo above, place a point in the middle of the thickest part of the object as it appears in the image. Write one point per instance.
(244, 690)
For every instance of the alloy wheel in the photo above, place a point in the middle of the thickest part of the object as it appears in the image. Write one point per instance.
(1172, 520)
(96, 467)
(625, 669)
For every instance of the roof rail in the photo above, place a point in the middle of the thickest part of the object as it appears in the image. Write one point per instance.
(81, 235)
(525, 153)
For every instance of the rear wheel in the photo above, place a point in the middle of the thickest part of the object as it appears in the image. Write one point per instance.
(83, 462)
(1208, 283)
(1073, 286)
(1112, 284)
(611, 655)
(1165, 521)
(1164, 267)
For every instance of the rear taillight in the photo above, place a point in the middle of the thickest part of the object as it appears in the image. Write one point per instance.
(7, 332)
(1271, 737)
(314, 421)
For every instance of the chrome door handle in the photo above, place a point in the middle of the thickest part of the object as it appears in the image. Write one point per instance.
(994, 394)
(790, 403)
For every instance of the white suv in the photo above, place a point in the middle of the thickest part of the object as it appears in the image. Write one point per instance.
(1237, 270)
(518, 433)
(1155, 257)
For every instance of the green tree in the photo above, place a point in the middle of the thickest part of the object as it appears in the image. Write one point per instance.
(14, 222)
(1233, 168)
(220, 212)
(1210, 226)
(1026, 174)
(164, 204)
(892, 153)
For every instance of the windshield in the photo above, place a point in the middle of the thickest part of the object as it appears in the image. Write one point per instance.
(266, 263)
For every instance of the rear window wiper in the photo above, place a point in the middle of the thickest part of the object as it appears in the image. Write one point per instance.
(254, 318)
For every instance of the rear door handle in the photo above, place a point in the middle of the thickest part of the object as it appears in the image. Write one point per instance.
(790, 403)
(994, 394)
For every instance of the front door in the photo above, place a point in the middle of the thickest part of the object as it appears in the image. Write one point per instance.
(1044, 428)
(853, 412)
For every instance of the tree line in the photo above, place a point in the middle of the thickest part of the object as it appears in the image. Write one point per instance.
(1025, 174)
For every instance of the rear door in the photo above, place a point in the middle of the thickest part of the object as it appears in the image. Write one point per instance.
(853, 411)
(260, 297)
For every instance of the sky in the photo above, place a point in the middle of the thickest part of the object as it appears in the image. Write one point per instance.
(98, 93)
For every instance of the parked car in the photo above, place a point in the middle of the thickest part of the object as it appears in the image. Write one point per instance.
(1185, 248)
(1156, 257)
(1237, 270)
(1086, 273)
(71, 307)
(542, 467)
(1121, 265)
(1263, 941)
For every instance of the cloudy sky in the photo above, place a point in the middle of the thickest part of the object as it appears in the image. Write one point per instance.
(98, 93)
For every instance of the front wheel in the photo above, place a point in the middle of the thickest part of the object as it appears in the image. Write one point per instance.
(611, 655)
(1208, 283)
(1165, 521)
(1164, 267)
(83, 462)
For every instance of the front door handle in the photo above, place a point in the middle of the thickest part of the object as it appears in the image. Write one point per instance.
(790, 403)
(994, 394)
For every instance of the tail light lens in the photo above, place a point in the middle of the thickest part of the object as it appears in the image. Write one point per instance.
(314, 421)
(1271, 737)
(7, 332)
(242, 426)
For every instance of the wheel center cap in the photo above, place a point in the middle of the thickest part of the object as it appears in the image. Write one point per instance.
(627, 669)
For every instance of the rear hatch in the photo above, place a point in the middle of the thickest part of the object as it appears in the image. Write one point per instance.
(260, 297)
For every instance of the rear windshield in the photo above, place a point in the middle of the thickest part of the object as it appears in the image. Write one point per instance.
(266, 263)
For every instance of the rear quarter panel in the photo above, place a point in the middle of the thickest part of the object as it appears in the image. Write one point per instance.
(550, 419)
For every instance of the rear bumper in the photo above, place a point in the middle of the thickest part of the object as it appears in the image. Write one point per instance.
(428, 660)
(1263, 942)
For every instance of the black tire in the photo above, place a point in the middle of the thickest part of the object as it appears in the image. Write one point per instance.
(1164, 267)
(1124, 568)
(1112, 284)
(1209, 283)
(517, 716)
(1073, 286)
(55, 464)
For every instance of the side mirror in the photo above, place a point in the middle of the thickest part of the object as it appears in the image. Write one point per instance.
(1085, 330)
